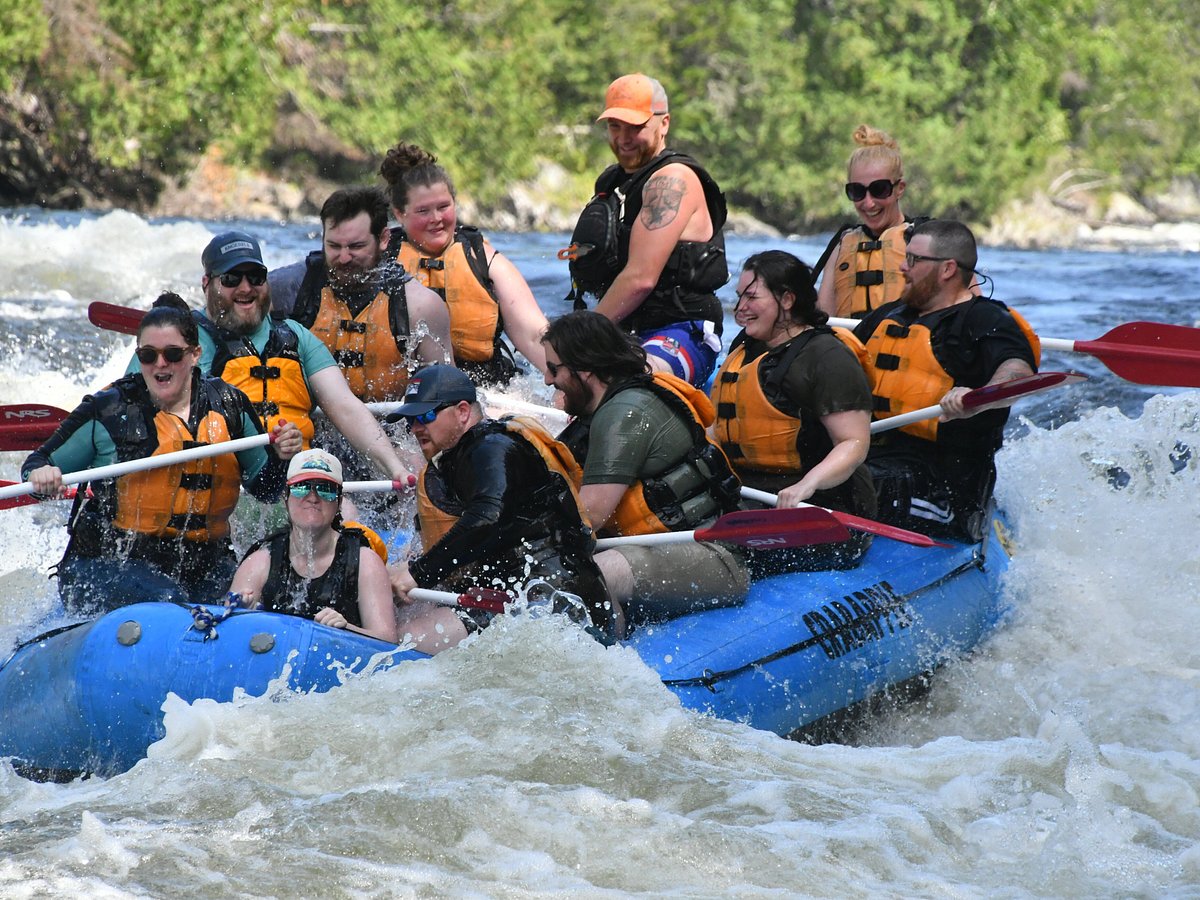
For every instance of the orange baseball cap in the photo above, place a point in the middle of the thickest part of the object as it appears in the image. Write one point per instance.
(631, 99)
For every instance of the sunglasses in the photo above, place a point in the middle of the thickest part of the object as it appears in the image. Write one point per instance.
(149, 355)
(426, 417)
(880, 189)
(325, 490)
(553, 368)
(233, 279)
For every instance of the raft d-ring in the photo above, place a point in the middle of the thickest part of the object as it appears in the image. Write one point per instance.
(708, 678)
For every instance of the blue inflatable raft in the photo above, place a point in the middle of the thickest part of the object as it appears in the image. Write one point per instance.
(88, 698)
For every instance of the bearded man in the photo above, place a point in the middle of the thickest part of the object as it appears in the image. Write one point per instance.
(932, 346)
(377, 321)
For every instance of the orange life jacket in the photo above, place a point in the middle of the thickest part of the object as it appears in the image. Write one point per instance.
(866, 272)
(460, 277)
(370, 355)
(193, 499)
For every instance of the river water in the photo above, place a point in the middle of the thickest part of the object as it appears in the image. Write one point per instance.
(1060, 760)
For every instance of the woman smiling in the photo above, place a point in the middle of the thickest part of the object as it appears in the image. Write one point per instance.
(793, 405)
(162, 533)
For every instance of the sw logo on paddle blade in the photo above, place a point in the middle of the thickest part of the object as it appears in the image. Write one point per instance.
(766, 542)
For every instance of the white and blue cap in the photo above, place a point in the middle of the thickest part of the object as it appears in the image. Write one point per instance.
(229, 250)
(310, 465)
(434, 386)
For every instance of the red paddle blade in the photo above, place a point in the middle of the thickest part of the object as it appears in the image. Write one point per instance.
(1150, 353)
(773, 529)
(26, 426)
(858, 523)
(121, 319)
(487, 599)
(27, 499)
(1019, 387)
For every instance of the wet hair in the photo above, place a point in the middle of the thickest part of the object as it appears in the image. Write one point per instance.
(876, 146)
(169, 311)
(953, 240)
(587, 341)
(343, 205)
(407, 166)
(779, 272)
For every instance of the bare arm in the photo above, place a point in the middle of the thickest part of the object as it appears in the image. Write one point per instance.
(425, 308)
(952, 403)
(375, 607)
(250, 577)
(355, 421)
(524, 320)
(600, 501)
(672, 210)
(826, 296)
(850, 432)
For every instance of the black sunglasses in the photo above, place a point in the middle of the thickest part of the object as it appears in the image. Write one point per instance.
(553, 368)
(149, 355)
(233, 279)
(880, 189)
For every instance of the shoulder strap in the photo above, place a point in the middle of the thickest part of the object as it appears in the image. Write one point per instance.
(834, 243)
(308, 295)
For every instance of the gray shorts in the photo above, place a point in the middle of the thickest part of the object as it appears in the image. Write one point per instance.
(674, 579)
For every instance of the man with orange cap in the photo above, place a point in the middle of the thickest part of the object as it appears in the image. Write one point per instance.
(649, 243)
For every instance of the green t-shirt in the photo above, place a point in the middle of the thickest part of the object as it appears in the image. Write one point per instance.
(634, 435)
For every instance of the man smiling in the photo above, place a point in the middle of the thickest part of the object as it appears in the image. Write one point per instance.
(374, 318)
(649, 243)
(280, 365)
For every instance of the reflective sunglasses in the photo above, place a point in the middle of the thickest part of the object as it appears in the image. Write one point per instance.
(880, 189)
(426, 417)
(911, 259)
(325, 490)
(233, 279)
(149, 355)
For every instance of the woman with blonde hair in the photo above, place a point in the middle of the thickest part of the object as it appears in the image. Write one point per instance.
(860, 269)
(486, 294)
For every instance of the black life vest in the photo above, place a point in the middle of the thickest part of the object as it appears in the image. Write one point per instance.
(287, 591)
(600, 248)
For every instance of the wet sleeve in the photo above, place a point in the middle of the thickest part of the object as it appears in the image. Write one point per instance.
(484, 481)
(79, 443)
(827, 378)
(314, 355)
(632, 436)
(998, 337)
(264, 475)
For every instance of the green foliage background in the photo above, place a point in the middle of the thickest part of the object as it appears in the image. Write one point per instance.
(988, 99)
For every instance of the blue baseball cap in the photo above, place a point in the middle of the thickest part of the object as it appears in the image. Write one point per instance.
(434, 386)
(229, 250)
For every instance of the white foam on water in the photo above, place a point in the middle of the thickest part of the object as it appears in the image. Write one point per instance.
(1061, 759)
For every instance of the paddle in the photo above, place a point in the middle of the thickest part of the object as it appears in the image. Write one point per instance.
(121, 319)
(26, 426)
(487, 599)
(1141, 352)
(758, 529)
(992, 393)
(858, 523)
(28, 499)
(145, 463)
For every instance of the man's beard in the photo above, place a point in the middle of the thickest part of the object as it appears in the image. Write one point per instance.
(576, 398)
